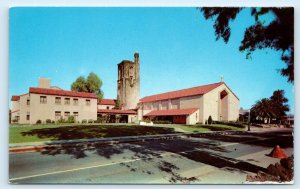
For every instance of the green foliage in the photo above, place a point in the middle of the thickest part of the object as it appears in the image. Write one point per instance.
(71, 119)
(92, 84)
(9, 117)
(80, 85)
(231, 123)
(48, 121)
(39, 121)
(118, 104)
(101, 119)
(210, 120)
(162, 122)
(277, 35)
(274, 107)
(84, 121)
(61, 120)
(90, 121)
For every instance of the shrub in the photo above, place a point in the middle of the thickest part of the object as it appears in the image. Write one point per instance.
(210, 120)
(231, 123)
(61, 120)
(48, 121)
(100, 120)
(162, 122)
(91, 121)
(53, 122)
(146, 120)
(38, 121)
(71, 119)
(84, 121)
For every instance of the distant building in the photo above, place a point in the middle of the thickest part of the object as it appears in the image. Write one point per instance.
(46, 102)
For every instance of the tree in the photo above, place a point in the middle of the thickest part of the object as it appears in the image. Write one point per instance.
(277, 35)
(79, 85)
(91, 85)
(279, 103)
(210, 120)
(118, 104)
(274, 107)
(263, 109)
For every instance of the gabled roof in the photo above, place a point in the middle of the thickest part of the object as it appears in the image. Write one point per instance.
(15, 98)
(61, 92)
(107, 102)
(116, 111)
(172, 112)
(200, 90)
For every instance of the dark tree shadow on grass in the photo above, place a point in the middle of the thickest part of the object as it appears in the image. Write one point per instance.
(95, 131)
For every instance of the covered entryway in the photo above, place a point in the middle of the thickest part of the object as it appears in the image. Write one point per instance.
(115, 115)
(223, 106)
(176, 116)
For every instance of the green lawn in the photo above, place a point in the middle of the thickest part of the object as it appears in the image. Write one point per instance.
(201, 128)
(35, 133)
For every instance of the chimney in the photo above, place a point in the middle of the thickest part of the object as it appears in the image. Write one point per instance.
(44, 83)
(136, 57)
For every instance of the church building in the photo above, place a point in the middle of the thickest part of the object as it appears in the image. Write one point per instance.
(185, 106)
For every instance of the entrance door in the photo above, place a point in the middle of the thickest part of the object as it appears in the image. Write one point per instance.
(179, 119)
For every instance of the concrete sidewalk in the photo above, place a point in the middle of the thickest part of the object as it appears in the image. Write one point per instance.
(33, 146)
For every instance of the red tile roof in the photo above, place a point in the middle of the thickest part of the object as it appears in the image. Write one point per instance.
(61, 92)
(107, 102)
(200, 90)
(15, 98)
(116, 111)
(172, 112)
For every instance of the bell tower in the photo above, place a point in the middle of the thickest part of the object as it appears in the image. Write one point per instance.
(129, 83)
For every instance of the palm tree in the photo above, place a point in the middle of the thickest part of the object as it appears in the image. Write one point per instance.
(263, 109)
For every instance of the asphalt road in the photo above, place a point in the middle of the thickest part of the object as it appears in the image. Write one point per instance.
(202, 159)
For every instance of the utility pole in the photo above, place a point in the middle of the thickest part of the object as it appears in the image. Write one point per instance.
(249, 119)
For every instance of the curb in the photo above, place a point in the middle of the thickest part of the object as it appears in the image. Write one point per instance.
(40, 146)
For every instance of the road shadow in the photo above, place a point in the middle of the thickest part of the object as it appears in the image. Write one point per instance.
(208, 153)
(284, 139)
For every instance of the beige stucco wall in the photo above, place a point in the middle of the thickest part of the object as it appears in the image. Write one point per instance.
(47, 111)
(212, 104)
(24, 109)
(132, 119)
(193, 118)
(101, 106)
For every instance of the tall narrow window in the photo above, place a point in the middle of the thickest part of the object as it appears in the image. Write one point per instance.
(28, 102)
(88, 102)
(75, 114)
(57, 115)
(67, 101)
(57, 100)
(27, 117)
(75, 101)
(67, 114)
(43, 99)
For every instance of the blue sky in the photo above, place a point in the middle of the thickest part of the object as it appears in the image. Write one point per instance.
(177, 49)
